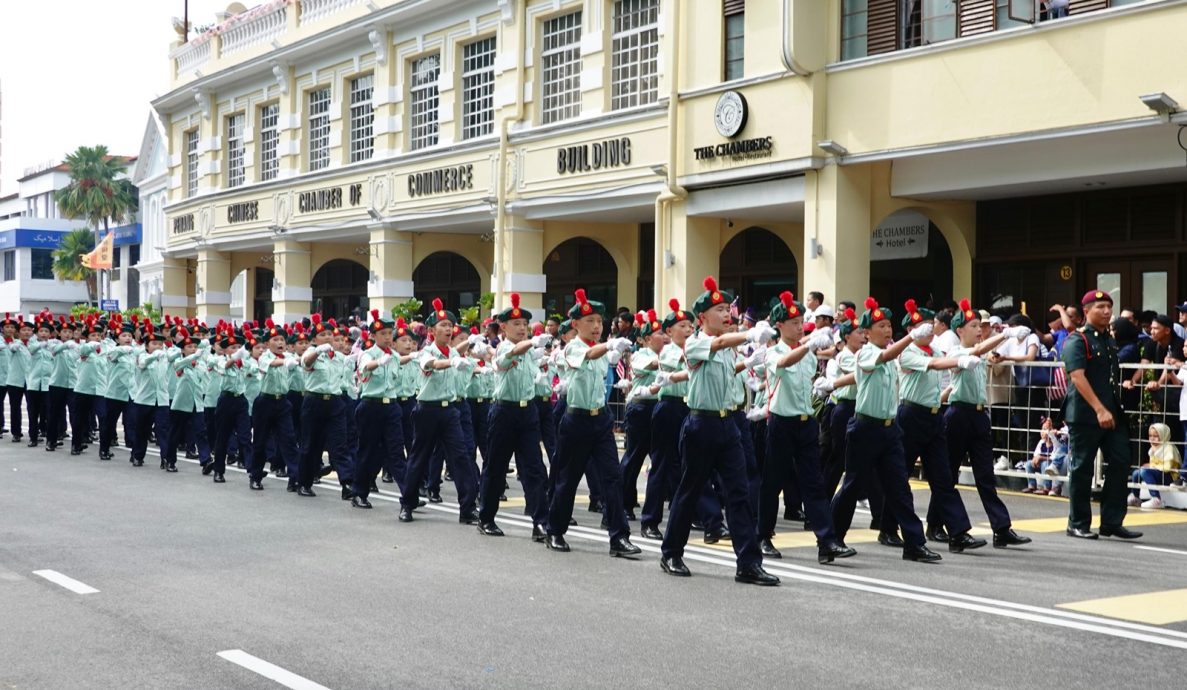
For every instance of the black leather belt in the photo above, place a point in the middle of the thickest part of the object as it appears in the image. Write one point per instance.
(969, 406)
(925, 408)
(273, 396)
(873, 420)
(580, 412)
(511, 403)
(376, 401)
(717, 414)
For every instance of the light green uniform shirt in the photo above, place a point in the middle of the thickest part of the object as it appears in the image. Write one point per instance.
(437, 384)
(409, 379)
(551, 364)
(482, 384)
(273, 380)
(323, 377)
(18, 363)
(968, 385)
(587, 377)
(380, 381)
(296, 376)
(671, 360)
(90, 371)
(919, 383)
(188, 372)
(4, 355)
(877, 384)
(346, 375)
(846, 364)
(642, 376)
(790, 388)
(121, 372)
(41, 365)
(710, 373)
(65, 366)
(151, 374)
(233, 378)
(515, 375)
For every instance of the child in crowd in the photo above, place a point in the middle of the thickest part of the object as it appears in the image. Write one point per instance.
(1164, 460)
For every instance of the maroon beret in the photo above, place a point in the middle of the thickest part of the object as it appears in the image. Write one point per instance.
(1096, 296)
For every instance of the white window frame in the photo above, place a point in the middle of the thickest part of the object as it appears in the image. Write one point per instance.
(236, 172)
(269, 141)
(362, 118)
(560, 67)
(317, 109)
(635, 54)
(191, 162)
(424, 102)
(478, 87)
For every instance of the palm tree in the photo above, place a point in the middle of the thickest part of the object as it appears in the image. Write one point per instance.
(98, 192)
(68, 258)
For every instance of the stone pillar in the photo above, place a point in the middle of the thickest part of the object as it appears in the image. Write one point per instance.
(291, 293)
(837, 216)
(523, 263)
(212, 286)
(174, 289)
(391, 268)
(695, 244)
(288, 117)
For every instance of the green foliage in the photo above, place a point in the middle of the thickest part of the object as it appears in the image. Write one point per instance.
(98, 192)
(81, 311)
(487, 302)
(470, 316)
(409, 311)
(68, 258)
(144, 312)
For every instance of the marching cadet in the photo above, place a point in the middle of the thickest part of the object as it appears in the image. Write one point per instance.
(18, 367)
(544, 371)
(212, 388)
(967, 422)
(88, 385)
(347, 361)
(1096, 421)
(298, 342)
(711, 441)
(7, 334)
(323, 420)
(405, 345)
(640, 405)
(461, 341)
(381, 439)
(924, 436)
(514, 424)
(149, 407)
(37, 377)
(437, 419)
(187, 366)
(231, 415)
(61, 385)
(874, 446)
(586, 432)
(793, 436)
(121, 369)
(478, 393)
(272, 415)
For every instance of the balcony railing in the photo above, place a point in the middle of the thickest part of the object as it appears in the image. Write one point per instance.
(256, 26)
(192, 55)
(313, 10)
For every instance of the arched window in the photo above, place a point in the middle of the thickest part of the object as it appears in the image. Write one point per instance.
(756, 265)
(449, 276)
(340, 289)
(580, 263)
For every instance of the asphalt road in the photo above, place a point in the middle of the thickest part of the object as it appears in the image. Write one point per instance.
(186, 569)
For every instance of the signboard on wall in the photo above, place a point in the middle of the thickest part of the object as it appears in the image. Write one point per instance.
(901, 235)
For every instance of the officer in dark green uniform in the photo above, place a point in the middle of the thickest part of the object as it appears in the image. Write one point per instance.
(1096, 421)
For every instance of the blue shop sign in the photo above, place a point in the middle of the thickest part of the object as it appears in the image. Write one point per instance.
(127, 234)
(44, 239)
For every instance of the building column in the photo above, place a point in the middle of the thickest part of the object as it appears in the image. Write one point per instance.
(174, 287)
(523, 261)
(695, 245)
(391, 269)
(291, 294)
(837, 216)
(212, 286)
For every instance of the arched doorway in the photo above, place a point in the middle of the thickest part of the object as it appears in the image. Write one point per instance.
(449, 276)
(262, 299)
(580, 263)
(926, 279)
(757, 265)
(340, 289)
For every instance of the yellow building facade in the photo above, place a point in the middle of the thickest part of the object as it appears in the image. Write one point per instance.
(343, 155)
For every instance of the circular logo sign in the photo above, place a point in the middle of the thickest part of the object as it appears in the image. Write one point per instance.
(730, 114)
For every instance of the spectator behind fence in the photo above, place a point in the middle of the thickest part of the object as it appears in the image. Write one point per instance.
(1063, 320)
(1160, 470)
(1181, 324)
(1048, 459)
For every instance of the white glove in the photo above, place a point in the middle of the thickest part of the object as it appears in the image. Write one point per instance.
(355, 332)
(384, 359)
(54, 342)
(756, 414)
(1018, 332)
(461, 364)
(323, 348)
(820, 341)
(72, 344)
(562, 387)
(823, 386)
(612, 356)
(623, 385)
(922, 331)
(486, 371)
(754, 383)
(761, 333)
(619, 345)
(479, 349)
(538, 353)
(967, 362)
(290, 362)
(474, 339)
(541, 340)
(240, 354)
(662, 378)
(756, 358)
(541, 378)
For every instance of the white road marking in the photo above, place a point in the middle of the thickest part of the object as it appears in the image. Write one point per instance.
(67, 582)
(270, 671)
(1160, 550)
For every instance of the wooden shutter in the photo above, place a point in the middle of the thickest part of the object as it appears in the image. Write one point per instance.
(882, 26)
(729, 7)
(1081, 6)
(975, 17)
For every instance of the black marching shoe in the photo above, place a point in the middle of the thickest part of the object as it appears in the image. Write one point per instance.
(829, 552)
(964, 541)
(490, 529)
(572, 522)
(207, 468)
(33, 443)
(713, 536)
(405, 515)
(538, 534)
(435, 497)
(303, 491)
(219, 479)
(137, 463)
(360, 502)
(282, 472)
(674, 566)
(936, 534)
(768, 549)
(346, 493)
(755, 575)
(105, 455)
(890, 539)
(17, 439)
(650, 532)
(386, 477)
(604, 525)
(623, 548)
(630, 513)
(162, 463)
(256, 485)
(1008, 537)
(50, 447)
(556, 542)
(76, 451)
(326, 469)
(794, 514)
(595, 506)
(171, 467)
(191, 455)
(1119, 532)
(920, 554)
(470, 518)
(1081, 533)
(292, 486)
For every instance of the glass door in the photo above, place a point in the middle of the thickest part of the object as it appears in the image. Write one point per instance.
(1139, 284)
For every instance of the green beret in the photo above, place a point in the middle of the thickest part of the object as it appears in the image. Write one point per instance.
(439, 313)
(584, 307)
(711, 297)
(916, 316)
(874, 314)
(513, 312)
(787, 308)
(965, 315)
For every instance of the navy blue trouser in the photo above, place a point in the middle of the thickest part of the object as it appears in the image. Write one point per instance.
(352, 432)
(440, 458)
(924, 438)
(480, 420)
(433, 423)
(3, 394)
(55, 414)
(666, 421)
(323, 429)
(231, 419)
(874, 450)
(143, 418)
(272, 425)
(970, 435)
(638, 447)
(793, 448)
(712, 444)
(753, 473)
(838, 427)
(113, 410)
(182, 423)
(514, 430)
(380, 445)
(80, 420)
(35, 403)
(297, 403)
(406, 408)
(16, 395)
(587, 441)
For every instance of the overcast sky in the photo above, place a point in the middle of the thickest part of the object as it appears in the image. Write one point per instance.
(82, 72)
